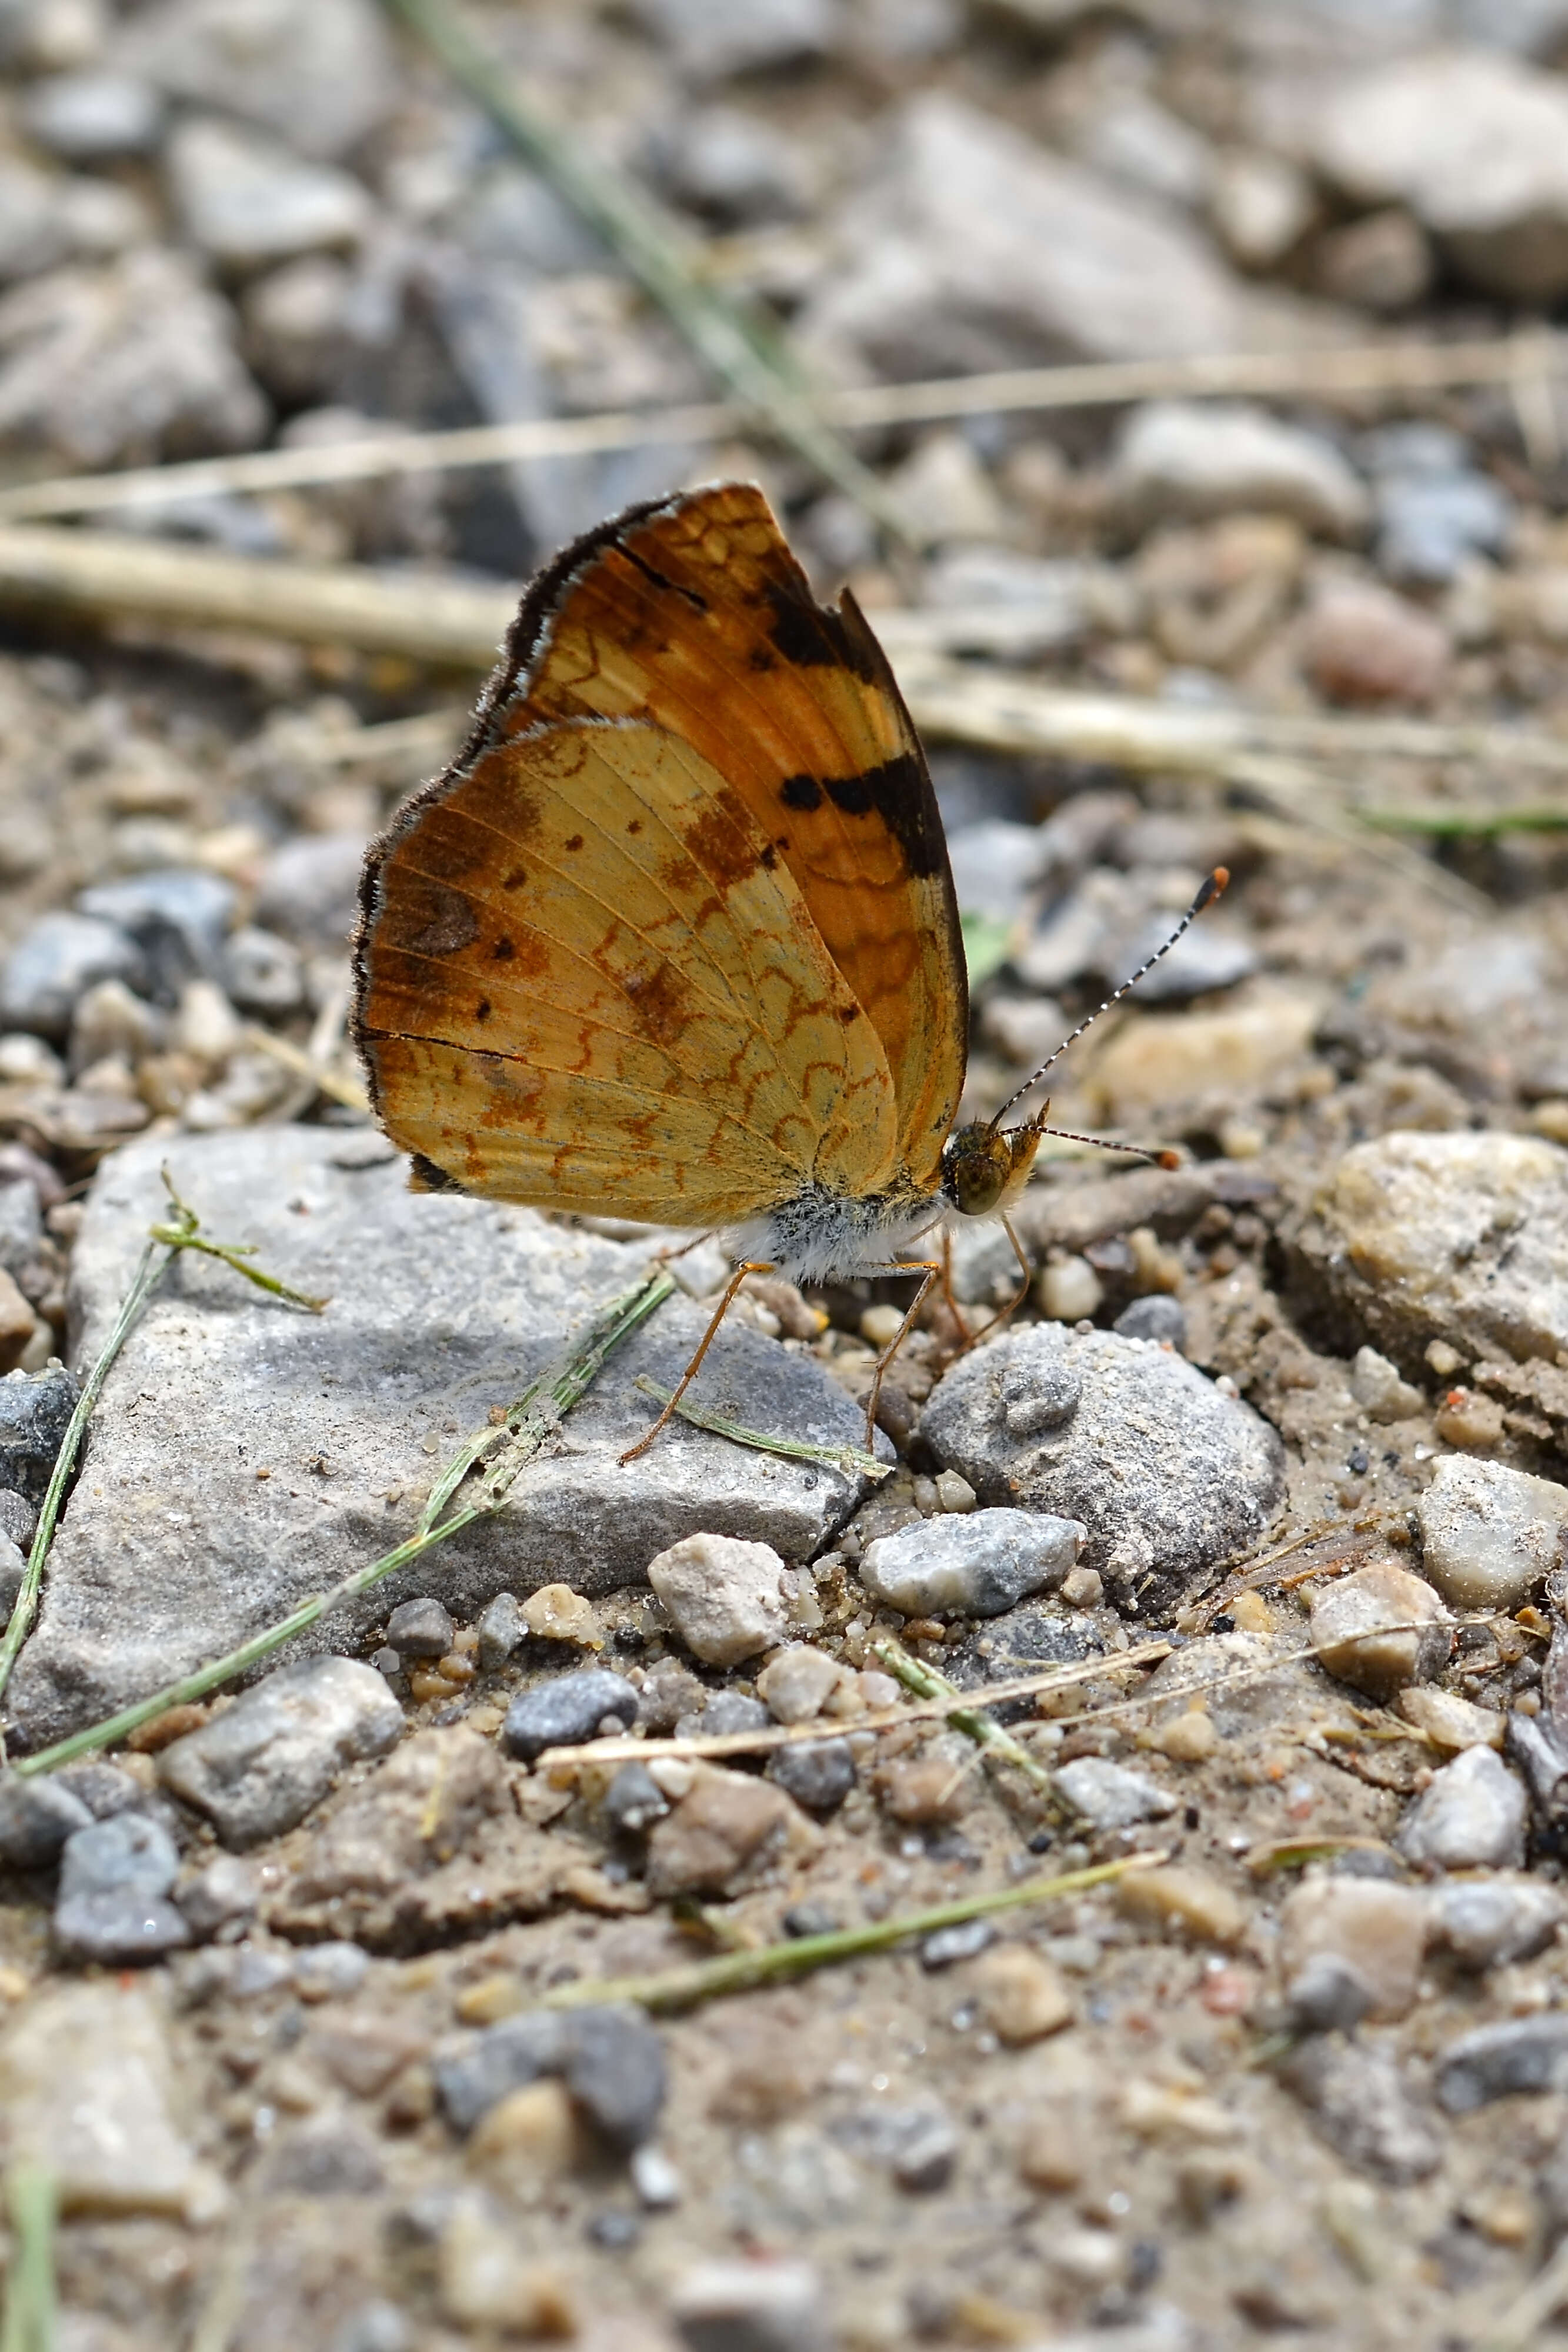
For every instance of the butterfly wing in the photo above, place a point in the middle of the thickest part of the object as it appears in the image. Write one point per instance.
(585, 980)
(693, 613)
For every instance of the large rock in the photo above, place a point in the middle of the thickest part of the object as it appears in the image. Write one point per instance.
(973, 247)
(1477, 146)
(1461, 1237)
(173, 1548)
(1167, 1474)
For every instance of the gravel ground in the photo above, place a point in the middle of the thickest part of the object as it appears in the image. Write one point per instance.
(1268, 1479)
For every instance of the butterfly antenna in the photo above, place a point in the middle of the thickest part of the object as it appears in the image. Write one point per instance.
(1213, 886)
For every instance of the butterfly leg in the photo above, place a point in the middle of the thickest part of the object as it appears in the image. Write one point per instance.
(1004, 1314)
(668, 1256)
(692, 1369)
(929, 1271)
(950, 1301)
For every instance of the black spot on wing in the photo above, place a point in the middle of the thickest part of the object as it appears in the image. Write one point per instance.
(812, 638)
(423, 1176)
(801, 793)
(899, 792)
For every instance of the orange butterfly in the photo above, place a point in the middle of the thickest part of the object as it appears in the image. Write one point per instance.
(674, 939)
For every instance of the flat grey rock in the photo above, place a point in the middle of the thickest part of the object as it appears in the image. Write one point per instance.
(1166, 1473)
(257, 1767)
(972, 1564)
(172, 1549)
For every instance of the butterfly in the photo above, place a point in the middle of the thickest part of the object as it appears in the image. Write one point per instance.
(674, 939)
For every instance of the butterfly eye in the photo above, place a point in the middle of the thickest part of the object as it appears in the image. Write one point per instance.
(977, 1167)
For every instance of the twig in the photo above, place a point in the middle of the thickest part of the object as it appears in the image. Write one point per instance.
(850, 1459)
(324, 1080)
(1410, 367)
(502, 1453)
(181, 1232)
(985, 1732)
(775, 1963)
(752, 358)
(32, 2196)
(1456, 824)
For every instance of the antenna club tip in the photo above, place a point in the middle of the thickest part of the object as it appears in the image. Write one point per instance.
(1213, 885)
(1168, 1159)
(1220, 878)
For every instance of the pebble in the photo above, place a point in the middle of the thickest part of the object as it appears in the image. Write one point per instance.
(735, 2307)
(1364, 2108)
(976, 1565)
(36, 1817)
(798, 1683)
(1374, 1930)
(567, 1710)
(1379, 1628)
(262, 974)
(309, 888)
(1180, 1894)
(1461, 1238)
(919, 2143)
(420, 1629)
(964, 1942)
(1159, 1062)
(711, 42)
(1471, 140)
(1019, 1995)
(724, 1829)
(1110, 1796)
(93, 116)
(1494, 2062)
(925, 1790)
(1159, 1317)
(725, 1713)
(1449, 1721)
(35, 1409)
(1082, 1588)
(473, 2077)
(261, 1766)
(86, 2082)
(1377, 1387)
(178, 916)
(60, 958)
(655, 2178)
(724, 1595)
(246, 201)
(556, 1613)
(634, 1801)
(1069, 1291)
(1362, 644)
(13, 1558)
(225, 1891)
(1165, 1473)
(1491, 1923)
(1489, 1534)
(527, 2142)
(817, 1773)
(1192, 460)
(500, 1631)
(1471, 1816)
(330, 1971)
(487, 2284)
(1435, 512)
(615, 2069)
(21, 1225)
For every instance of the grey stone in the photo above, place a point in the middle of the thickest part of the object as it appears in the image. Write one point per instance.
(1181, 460)
(222, 1893)
(1470, 1816)
(726, 1712)
(57, 962)
(737, 2306)
(1157, 1317)
(1328, 1994)
(34, 1414)
(1477, 146)
(259, 1767)
(1167, 1474)
(12, 1568)
(103, 1787)
(973, 248)
(375, 2326)
(114, 365)
(326, 2156)
(243, 199)
(567, 1710)
(964, 1942)
(37, 227)
(261, 973)
(724, 1596)
(1520, 2054)
(634, 1801)
(36, 1819)
(320, 73)
(995, 864)
(330, 1971)
(1490, 1534)
(310, 888)
(128, 1852)
(500, 1629)
(178, 916)
(1109, 1797)
(1362, 2105)
(92, 116)
(472, 2077)
(710, 39)
(613, 2063)
(440, 1309)
(421, 1628)
(735, 166)
(1491, 1923)
(1210, 957)
(817, 1773)
(1429, 526)
(21, 1225)
(974, 1564)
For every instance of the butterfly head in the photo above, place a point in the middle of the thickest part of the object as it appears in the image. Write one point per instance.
(985, 1167)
